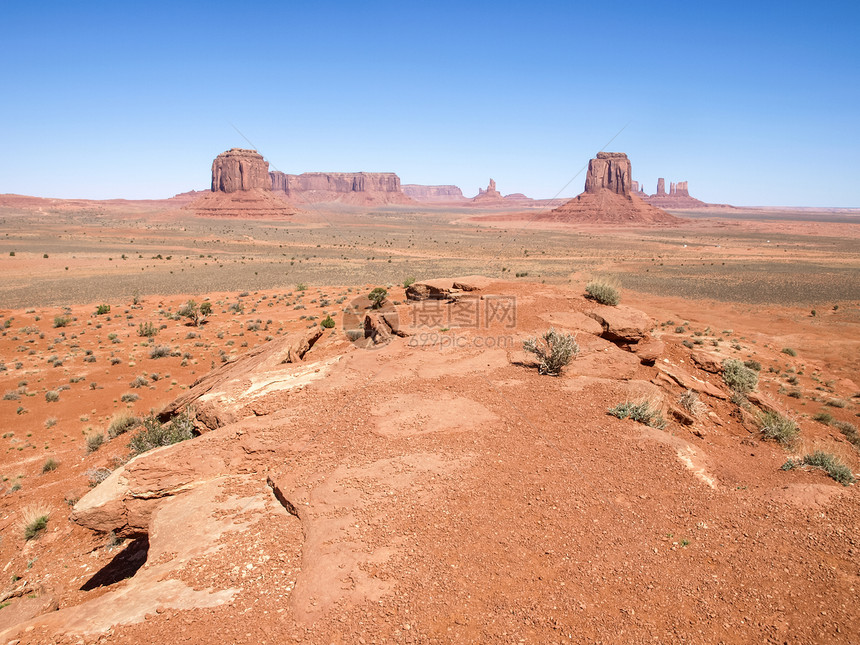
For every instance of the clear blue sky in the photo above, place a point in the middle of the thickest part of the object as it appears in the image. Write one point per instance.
(751, 102)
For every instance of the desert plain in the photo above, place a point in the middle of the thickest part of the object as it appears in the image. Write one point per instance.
(435, 487)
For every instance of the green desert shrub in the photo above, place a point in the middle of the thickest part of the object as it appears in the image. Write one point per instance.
(102, 309)
(146, 330)
(828, 462)
(641, 412)
(62, 321)
(153, 433)
(194, 312)
(52, 396)
(823, 417)
(408, 282)
(789, 351)
(773, 425)
(327, 322)
(738, 376)
(606, 292)
(49, 465)
(554, 350)
(849, 430)
(377, 297)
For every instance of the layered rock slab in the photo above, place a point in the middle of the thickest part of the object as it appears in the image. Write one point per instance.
(228, 381)
(187, 533)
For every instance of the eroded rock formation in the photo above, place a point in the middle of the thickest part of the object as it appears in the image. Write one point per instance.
(609, 171)
(491, 194)
(422, 193)
(240, 188)
(677, 197)
(607, 197)
(240, 169)
(352, 187)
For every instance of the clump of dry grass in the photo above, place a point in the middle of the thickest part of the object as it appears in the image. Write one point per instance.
(34, 520)
(690, 402)
(121, 423)
(644, 411)
(604, 290)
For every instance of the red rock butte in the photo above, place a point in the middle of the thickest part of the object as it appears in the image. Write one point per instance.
(241, 187)
(607, 198)
(677, 197)
(489, 195)
(240, 169)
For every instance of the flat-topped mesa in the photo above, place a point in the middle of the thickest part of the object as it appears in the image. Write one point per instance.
(240, 169)
(609, 171)
(423, 193)
(358, 187)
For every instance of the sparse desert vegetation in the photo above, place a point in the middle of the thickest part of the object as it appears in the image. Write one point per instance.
(778, 428)
(604, 291)
(114, 369)
(644, 412)
(740, 378)
(555, 350)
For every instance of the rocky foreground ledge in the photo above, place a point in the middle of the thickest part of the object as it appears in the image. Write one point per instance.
(424, 483)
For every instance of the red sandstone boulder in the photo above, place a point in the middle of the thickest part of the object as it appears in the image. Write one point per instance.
(622, 324)
(708, 362)
(649, 350)
(446, 288)
(290, 348)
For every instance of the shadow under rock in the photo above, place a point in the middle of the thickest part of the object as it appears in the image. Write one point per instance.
(124, 565)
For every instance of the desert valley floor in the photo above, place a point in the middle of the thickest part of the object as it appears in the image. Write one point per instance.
(436, 487)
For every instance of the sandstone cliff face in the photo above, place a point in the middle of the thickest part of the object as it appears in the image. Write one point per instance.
(358, 187)
(422, 193)
(609, 171)
(240, 169)
(680, 189)
(661, 187)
